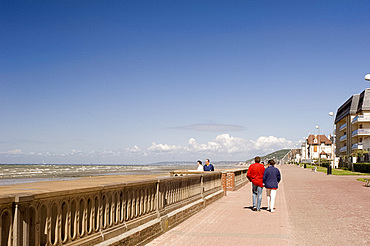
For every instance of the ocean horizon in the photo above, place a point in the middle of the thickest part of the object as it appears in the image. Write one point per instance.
(25, 173)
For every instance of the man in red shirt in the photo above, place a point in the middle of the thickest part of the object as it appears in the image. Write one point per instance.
(255, 175)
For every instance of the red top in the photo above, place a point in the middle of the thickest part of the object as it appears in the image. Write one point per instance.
(255, 174)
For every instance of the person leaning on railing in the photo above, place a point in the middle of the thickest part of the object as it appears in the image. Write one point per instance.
(200, 166)
(208, 166)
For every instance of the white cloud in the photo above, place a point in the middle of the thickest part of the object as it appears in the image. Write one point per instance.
(13, 152)
(271, 143)
(134, 149)
(224, 144)
(222, 147)
(159, 148)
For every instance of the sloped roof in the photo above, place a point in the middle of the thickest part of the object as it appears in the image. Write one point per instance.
(355, 104)
(322, 138)
(348, 108)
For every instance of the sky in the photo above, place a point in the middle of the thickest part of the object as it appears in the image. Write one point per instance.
(137, 82)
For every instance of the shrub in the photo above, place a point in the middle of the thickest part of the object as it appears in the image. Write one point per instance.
(362, 167)
(323, 162)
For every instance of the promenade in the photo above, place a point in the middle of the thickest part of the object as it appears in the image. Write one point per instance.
(311, 209)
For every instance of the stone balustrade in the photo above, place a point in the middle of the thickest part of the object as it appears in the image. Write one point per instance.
(124, 212)
(231, 179)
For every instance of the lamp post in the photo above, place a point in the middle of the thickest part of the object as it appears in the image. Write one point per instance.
(333, 142)
(318, 149)
(367, 77)
(309, 148)
(305, 148)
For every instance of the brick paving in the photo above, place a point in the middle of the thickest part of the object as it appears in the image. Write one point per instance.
(311, 209)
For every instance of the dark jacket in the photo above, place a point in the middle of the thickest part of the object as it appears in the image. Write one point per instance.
(271, 177)
(209, 167)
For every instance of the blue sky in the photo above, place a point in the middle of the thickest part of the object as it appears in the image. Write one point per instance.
(147, 81)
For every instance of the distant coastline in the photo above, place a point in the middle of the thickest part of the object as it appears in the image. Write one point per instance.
(25, 173)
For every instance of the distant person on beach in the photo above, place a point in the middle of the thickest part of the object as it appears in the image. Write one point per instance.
(255, 175)
(200, 166)
(208, 166)
(271, 179)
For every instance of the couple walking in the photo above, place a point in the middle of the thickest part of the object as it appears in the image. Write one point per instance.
(259, 176)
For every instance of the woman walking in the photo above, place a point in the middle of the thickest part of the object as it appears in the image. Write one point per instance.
(271, 179)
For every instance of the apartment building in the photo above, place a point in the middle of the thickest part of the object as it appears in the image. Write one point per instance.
(353, 124)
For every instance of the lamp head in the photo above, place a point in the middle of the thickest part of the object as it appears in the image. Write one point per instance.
(367, 77)
(331, 113)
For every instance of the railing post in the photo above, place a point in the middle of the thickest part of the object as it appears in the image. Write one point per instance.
(16, 224)
(21, 221)
(224, 181)
(202, 186)
(157, 199)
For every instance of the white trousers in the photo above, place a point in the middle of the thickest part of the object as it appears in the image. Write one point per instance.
(271, 195)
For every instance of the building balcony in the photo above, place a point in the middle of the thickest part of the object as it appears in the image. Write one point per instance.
(361, 132)
(343, 138)
(360, 118)
(357, 146)
(343, 127)
(343, 149)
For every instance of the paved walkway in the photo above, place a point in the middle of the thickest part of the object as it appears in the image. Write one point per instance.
(311, 209)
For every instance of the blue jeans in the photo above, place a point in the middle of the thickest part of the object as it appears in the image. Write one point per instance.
(257, 195)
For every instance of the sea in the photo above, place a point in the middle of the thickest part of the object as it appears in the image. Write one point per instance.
(25, 173)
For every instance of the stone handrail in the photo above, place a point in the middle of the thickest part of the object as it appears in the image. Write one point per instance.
(235, 178)
(88, 216)
(231, 179)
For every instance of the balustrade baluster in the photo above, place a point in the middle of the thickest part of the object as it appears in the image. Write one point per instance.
(89, 216)
(82, 217)
(117, 208)
(128, 206)
(133, 204)
(73, 224)
(122, 207)
(137, 202)
(97, 214)
(109, 208)
(64, 222)
(103, 212)
(141, 201)
(6, 227)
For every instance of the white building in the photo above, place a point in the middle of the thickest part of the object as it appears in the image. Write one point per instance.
(317, 146)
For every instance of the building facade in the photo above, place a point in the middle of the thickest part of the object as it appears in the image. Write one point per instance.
(353, 124)
(317, 146)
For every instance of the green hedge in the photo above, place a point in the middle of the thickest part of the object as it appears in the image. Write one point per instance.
(323, 162)
(362, 167)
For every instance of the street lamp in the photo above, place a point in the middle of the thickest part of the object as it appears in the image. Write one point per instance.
(318, 128)
(309, 147)
(367, 77)
(333, 143)
(305, 148)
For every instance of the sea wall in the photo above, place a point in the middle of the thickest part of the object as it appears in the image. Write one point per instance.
(115, 214)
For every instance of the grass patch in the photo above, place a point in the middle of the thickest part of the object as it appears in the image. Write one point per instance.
(336, 171)
(361, 179)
